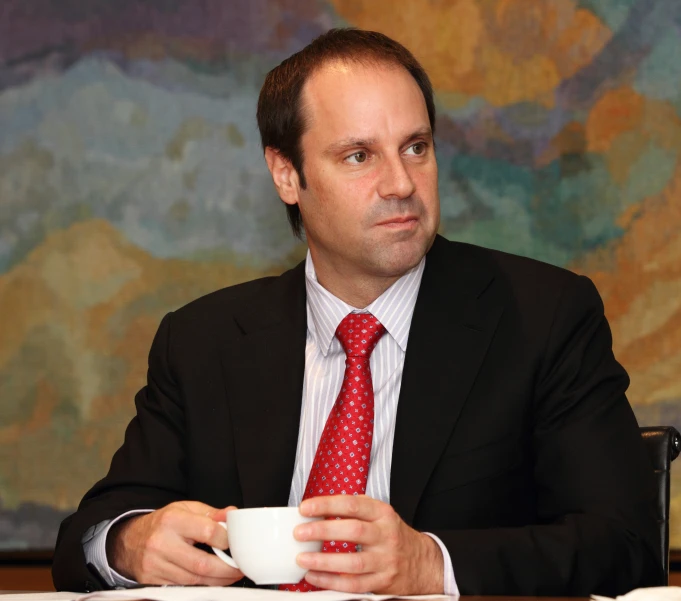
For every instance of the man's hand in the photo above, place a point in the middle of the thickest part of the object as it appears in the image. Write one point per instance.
(158, 547)
(394, 559)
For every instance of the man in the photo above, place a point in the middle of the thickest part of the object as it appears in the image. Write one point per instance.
(512, 463)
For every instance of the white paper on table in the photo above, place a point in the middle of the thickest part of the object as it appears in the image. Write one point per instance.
(653, 593)
(62, 596)
(217, 593)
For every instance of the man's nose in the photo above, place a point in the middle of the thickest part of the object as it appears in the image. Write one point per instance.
(395, 181)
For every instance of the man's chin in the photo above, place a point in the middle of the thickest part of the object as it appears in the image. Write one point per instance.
(398, 259)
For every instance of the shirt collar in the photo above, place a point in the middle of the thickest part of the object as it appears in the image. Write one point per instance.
(394, 308)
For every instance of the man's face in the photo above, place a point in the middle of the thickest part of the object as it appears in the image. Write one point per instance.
(371, 206)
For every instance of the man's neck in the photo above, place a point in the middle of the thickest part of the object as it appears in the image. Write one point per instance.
(358, 292)
(355, 288)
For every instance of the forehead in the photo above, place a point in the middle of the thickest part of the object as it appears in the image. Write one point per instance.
(343, 99)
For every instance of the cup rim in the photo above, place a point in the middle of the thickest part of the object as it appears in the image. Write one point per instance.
(255, 509)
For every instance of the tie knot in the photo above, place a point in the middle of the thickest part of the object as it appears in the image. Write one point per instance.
(359, 333)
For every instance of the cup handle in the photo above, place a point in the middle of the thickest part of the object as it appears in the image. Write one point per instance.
(222, 555)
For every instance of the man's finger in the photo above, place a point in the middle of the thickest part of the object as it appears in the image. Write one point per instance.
(220, 515)
(170, 573)
(346, 583)
(200, 529)
(359, 507)
(356, 531)
(204, 565)
(346, 563)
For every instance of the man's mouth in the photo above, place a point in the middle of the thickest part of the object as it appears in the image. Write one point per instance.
(401, 221)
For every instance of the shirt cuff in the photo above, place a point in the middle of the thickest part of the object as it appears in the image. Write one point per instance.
(94, 546)
(450, 587)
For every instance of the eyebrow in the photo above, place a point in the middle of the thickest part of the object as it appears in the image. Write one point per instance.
(348, 143)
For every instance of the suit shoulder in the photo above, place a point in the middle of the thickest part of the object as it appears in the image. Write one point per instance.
(534, 285)
(225, 298)
(516, 268)
(219, 306)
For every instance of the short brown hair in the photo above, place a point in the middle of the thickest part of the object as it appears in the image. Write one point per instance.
(280, 119)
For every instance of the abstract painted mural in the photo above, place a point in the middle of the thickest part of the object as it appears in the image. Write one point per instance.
(132, 181)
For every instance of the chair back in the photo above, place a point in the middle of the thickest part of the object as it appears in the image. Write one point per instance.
(663, 444)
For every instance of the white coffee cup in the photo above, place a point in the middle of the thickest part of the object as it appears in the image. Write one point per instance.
(262, 544)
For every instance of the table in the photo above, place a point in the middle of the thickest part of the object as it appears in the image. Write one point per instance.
(510, 598)
(462, 598)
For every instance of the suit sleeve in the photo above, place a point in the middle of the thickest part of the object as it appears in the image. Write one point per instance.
(596, 531)
(147, 472)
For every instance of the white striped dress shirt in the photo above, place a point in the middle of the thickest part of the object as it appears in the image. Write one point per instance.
(325, 366)
(324, 369)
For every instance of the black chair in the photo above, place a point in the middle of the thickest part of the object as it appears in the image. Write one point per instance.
(663, 444)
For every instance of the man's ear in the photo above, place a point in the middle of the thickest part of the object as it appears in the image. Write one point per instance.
(284, 176)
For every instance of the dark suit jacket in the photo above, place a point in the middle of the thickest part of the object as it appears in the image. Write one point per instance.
(514, 442)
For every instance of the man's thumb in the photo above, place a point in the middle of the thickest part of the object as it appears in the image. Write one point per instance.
(220, 515)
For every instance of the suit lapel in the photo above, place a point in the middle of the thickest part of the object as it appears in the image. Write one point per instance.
(264, 371)
(454, 319)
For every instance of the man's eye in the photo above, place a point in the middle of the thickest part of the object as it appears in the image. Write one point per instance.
(418, 149)
(358, 157)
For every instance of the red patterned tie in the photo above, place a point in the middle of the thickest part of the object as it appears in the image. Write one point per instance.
(341, 464)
